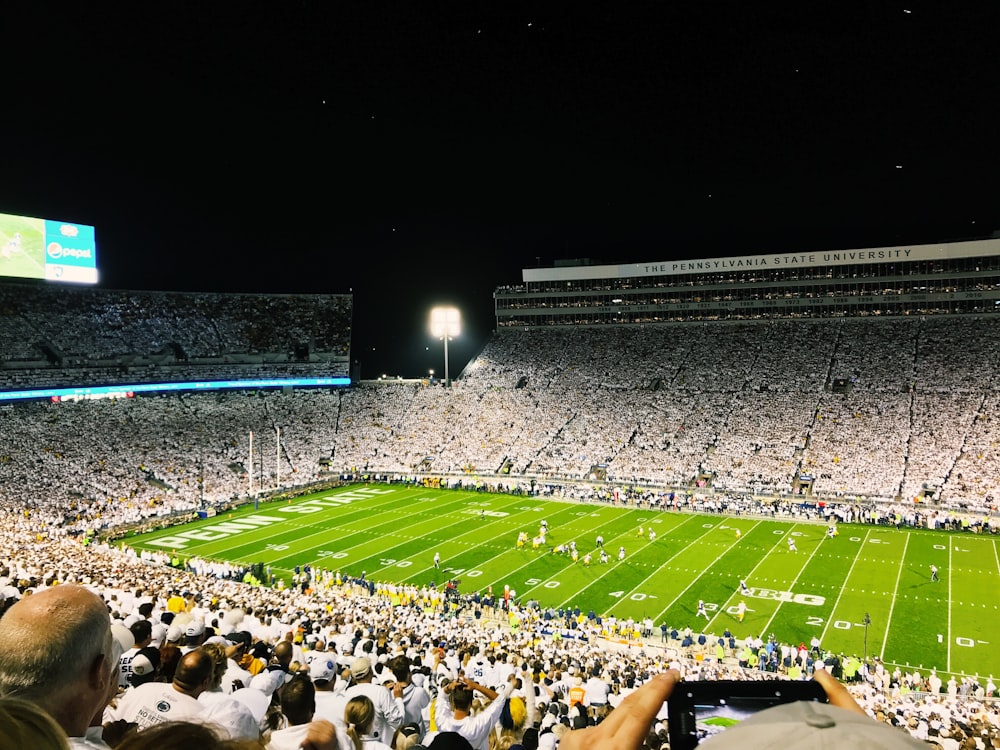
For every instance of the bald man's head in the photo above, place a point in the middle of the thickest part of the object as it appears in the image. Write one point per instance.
(283, 653)
(56, 650)
(194, 672)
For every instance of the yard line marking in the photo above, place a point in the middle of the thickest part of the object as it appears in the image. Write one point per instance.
(373, 524)
(748, 576)
(950, 576)
(698, 577)
(844, 588)
(888, 620)
(506, 574)
(792, 586)
(373, 527)
(284, 519)
(475, 530)
(612, 568)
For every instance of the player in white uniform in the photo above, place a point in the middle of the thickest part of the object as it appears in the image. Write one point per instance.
(621, 553)
(741, 610)
(791, 545)
(744, 589)
(701, 610)
(437, 560)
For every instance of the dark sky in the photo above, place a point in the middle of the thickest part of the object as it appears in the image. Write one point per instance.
(416, 153)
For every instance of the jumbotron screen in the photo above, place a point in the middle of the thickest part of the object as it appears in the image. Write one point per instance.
(47, 249)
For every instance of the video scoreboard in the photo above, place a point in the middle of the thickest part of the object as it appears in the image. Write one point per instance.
(46, 249)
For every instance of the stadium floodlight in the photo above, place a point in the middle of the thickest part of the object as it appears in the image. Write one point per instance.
(446, 323)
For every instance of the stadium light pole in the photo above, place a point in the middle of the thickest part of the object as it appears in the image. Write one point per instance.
(446, 322)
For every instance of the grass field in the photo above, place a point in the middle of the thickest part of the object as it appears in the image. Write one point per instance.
(824, 589)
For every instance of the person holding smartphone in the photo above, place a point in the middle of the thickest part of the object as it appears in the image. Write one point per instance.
(626, 727)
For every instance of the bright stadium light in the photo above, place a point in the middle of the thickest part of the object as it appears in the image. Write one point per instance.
(446, 323)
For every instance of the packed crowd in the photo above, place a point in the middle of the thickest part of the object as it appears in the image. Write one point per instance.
(85, 325)
(707, 414)
(255, 663)
(722, 418)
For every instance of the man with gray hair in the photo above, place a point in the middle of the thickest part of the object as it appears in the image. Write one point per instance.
(57, 651)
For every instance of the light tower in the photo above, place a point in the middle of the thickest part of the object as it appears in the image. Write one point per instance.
(446, 322)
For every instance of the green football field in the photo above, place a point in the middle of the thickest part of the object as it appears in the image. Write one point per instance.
(825, 588)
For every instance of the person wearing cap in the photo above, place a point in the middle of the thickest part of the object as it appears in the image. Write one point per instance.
(221, 708)
(57, 651)
(597, 690)
(454, 714)
(194, 635)
(389, 707)
(330, 700)
(156, 702)
(145, 666)
(406, 737)
(142, 633)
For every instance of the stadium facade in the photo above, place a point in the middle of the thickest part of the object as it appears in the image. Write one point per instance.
(959, 278)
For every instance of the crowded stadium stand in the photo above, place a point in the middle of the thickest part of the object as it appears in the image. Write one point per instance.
(874, 408)
(65, 335)
(865, 379)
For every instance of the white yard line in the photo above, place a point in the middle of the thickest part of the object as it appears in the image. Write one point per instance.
(695, 579)
(612, 568)
(747, 578)
(892, 606)
(950, 577)
(844, 587)
(777, 609)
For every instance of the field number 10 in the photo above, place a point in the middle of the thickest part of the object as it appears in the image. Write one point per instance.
(966, 642)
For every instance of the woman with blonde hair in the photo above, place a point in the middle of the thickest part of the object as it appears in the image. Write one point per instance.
(359, 715)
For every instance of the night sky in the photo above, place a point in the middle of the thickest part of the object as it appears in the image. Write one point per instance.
(416, 153)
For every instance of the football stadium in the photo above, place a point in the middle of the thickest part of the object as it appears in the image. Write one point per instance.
(744, 468)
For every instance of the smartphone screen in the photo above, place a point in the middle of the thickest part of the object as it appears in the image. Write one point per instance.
(698, 711)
